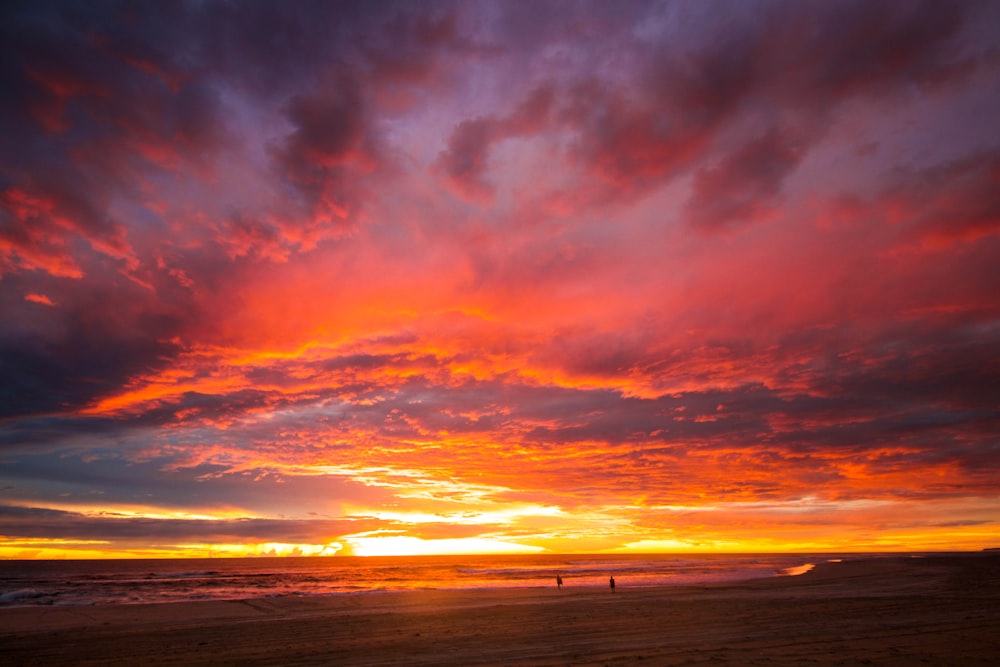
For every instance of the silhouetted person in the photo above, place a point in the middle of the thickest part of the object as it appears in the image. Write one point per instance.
(559, 581)
(612, 582)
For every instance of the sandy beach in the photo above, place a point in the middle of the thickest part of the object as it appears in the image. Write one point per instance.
(939, 610)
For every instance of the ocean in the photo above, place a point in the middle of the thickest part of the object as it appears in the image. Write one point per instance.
(105, 582)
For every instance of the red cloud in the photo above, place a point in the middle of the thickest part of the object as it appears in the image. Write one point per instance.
(30, 239)
(39, 298)
(744, 187)
(325, 157)
(956, 203)
(465, 161)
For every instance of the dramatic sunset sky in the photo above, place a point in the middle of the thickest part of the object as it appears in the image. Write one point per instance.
(448, 277)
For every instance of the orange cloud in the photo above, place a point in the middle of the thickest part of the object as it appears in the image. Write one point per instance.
(484, 278)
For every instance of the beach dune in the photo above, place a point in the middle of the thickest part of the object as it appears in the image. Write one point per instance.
(937, 610)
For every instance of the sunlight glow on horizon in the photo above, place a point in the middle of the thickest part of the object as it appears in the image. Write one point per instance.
(403, 546)
(399, 545)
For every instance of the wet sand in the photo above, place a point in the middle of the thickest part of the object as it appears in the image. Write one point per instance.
(940, 610)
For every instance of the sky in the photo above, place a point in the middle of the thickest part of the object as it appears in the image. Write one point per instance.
(375, 278)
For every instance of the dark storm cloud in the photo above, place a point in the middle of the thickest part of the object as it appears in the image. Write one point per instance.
(52, 432)
(95, 342)
(33, 522)
(953, 203)
(465, 160)
(743, 187)
(331, 143)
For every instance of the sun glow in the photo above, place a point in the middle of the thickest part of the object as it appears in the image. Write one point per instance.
(264, 549)
(55, 549)
(399, 545)
(469, 516)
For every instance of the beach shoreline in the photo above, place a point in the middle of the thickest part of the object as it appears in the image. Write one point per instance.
(941, 609)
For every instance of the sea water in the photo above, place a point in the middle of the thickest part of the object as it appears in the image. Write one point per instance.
(101, 582)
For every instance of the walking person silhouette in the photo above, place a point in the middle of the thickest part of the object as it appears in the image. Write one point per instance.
(612, 583)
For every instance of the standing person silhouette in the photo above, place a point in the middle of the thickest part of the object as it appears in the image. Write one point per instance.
(612, 582)
(559, 581)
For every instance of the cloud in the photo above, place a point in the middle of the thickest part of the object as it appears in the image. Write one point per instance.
(329, 147)
(805, 59)
(50, 369)
(744, 187)
(39, 298)
(967, 208)
(32, 522)
(464, 257)
(465, 161)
